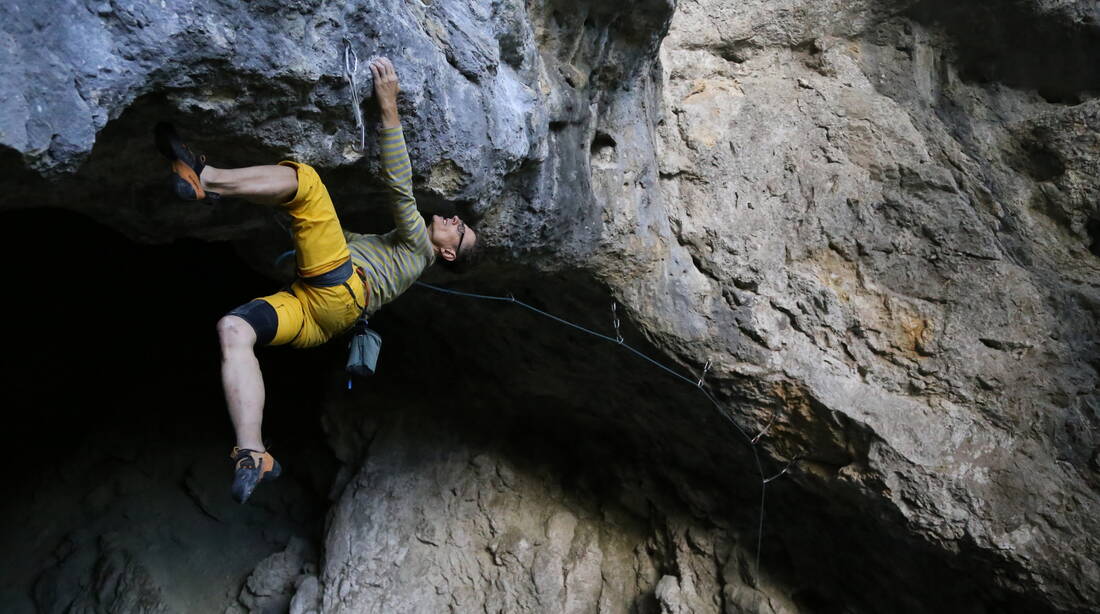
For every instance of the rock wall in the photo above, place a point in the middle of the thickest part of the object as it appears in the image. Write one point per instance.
(880, 228)
(898, 218)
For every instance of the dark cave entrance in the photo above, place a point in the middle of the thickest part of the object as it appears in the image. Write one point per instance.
(116, 434)
(1093, 230)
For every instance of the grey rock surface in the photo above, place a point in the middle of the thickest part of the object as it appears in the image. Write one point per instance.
(908, 247)
(276, 580)
(881, 228)
(148, 531)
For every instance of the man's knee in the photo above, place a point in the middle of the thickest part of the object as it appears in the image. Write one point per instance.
(235, 332)
(251, 323)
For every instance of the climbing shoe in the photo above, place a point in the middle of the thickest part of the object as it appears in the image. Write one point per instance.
(186, 166)
(249, 469)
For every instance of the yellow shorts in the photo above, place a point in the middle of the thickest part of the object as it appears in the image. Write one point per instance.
(328, 296)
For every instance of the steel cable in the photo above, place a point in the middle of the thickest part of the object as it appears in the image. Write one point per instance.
(751, 442)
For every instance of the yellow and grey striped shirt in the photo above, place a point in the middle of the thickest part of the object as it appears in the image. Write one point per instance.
(393, 261)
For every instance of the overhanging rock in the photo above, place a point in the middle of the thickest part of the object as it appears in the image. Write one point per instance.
(883, 239)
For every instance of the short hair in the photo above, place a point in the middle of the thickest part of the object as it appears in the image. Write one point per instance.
(467, 258)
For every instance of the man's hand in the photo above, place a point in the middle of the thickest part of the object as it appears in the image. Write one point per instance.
(385, 91)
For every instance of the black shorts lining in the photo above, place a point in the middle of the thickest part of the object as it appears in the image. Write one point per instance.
(262, 317)
(335, 277)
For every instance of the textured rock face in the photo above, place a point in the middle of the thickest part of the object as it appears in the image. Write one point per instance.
(909, 245)
(881, 228)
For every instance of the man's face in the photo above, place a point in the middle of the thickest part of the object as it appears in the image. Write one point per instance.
(451, 236)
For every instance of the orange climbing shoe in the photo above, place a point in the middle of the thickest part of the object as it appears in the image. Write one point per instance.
(186, 166)
(249, 469)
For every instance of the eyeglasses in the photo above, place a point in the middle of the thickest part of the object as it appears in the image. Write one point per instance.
(461, 235)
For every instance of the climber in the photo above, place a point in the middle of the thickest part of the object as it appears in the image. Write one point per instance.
(340, 274)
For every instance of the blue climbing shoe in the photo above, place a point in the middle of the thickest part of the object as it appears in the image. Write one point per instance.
(186, 166)
(251, 468)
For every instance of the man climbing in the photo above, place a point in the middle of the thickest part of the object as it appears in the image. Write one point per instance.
(340, 274)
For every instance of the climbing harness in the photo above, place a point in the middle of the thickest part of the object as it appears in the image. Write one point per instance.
(351, 66)
(695, 383)
(365, 344)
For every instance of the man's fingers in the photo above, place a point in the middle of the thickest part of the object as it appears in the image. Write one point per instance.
(382, 67)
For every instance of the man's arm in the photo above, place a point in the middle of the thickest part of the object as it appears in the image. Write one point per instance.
(350, 236)
(396, 168)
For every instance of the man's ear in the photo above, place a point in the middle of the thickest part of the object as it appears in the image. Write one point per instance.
(448, 254)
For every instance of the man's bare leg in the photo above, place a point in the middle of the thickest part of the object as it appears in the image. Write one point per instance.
(265, 185)
(242, 379)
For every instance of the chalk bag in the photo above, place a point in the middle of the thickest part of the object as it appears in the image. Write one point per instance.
(363, 350)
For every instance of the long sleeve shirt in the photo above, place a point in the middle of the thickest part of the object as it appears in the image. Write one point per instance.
(393, 261)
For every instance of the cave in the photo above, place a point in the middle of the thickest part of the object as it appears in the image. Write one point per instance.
(1093, 229)
(120, 442)
(116, 436)
(766, 317)
(1022, 44)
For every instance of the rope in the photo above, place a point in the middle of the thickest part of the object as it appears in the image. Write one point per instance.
(695, 383)
(283, 256)
(351, 66)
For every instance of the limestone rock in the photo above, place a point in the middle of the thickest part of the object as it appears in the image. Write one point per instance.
(877, 221)
(116, 582)
(278, 579)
